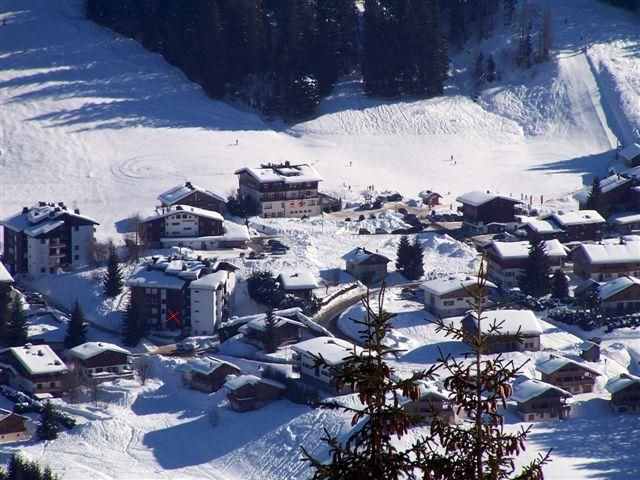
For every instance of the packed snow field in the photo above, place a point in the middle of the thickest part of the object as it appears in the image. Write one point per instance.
(92, 119)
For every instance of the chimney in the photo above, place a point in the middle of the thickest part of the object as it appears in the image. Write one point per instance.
(25, 210)
(61, 204)
(189, 185)
(40, 354)
(287, 163)
(41, 204)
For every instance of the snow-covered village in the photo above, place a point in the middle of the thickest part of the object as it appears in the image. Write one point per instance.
(320, 239)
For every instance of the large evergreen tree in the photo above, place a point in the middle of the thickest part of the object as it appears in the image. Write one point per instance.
(19, 468)
(595, 200)
(535, 279)
(134, 323)
(113, 280)
(48, 427)
(17, 328)
(403, 254)
(480, 385)
(270, 332)
(370, 451)
(416, 265)
(76, 328)
(560, 285)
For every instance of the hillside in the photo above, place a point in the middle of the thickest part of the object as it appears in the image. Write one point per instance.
(93, 119)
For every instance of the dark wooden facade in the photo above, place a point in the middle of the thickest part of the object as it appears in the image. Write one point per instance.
(12, 427)
(253, 396)
(549, 405)
(198, 199)
(284, 333)
(625, 301)
(627, 400)
(583, 267)
(572, 378)
(499, 210)
(213, 381)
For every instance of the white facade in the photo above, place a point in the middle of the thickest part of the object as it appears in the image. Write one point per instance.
(181, 225)
(38, 258)
(208, 299)
(449, 307)
(82, 245)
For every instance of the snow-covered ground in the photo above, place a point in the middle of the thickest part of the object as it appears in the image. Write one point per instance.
(578, 443)
(93, 119)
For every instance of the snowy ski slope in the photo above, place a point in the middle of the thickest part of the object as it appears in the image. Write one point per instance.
(93, 119)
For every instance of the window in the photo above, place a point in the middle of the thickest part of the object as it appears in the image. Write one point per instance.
(164, 301)
(38, 385)
(52, 384)
(76, 247)
(42, 270)
(448, 303)
(76, 228)
(76, 257)
(154, 291)
(42, 240)
(147, 290)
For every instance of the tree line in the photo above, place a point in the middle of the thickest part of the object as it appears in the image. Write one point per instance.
(282, 56)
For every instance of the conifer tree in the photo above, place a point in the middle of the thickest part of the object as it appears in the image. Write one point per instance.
(19, 468)
(17, 329)
(370, 451)
(479, 385)
(270, 332)
(403, 254)
(491, 69)
(416, 265)
(113, 281)
(595, 200)
(5, 309)
(48, 427)
(560, 285)
(76, 328)
(134, 324)
(535, 279)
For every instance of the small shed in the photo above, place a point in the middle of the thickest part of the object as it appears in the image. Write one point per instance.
(300, 284)
(366, 266)
(625, 393)
(248, 392)
(208, 374)
(13, 427)
(430, 198)
(590, 350)
(630, 155)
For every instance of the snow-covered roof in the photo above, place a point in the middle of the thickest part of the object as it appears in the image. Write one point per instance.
(514, 250)
(208, 365)
(555, 363)
(5, 276)
(232, 233)
(427, 194)
(286, 173)
(529, 389)
(578, 217)
(4, 414)
(477, 198)
(46, 329)
(38, 359)
(211, 281)
(617, 285)
(42, 218)
(298, 281)
(510, 321)
(445, 285)
(587, 345)
(624, 218)
(91, 349)
(541, 226)
(176, 209)
(606, 185)
(360, 254)
(177, 193)
(630, 152)
(621, 382)
(145, 277)
(612, 253)
(243, 380)
(259, 323)
(333, 350)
